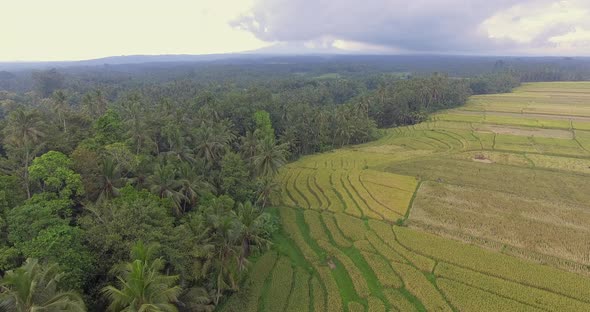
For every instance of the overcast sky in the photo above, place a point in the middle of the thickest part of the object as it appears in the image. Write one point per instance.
(84, 29)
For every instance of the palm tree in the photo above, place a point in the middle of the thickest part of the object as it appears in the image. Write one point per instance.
(59, 106)
(23, 131)
(165, 184)
(226, 237)
(197, 299)
(142, 286)
(267, 188)
(34, 287)
(253, 230)
(270, 157)
(213, 140)
(94, 104)
(134, 117)
(249, 145)
(192, 185)
(110, 175)
(178, 148)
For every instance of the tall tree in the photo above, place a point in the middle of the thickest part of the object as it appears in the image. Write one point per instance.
(53, 172)
(270, 157)
(213, 139)
(164, 182)
(141, 285)
(59, 106)
(24, 132)
(35, 287)
(254, 230)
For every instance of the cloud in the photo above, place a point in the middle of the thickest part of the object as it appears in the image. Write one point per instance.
(441, 26)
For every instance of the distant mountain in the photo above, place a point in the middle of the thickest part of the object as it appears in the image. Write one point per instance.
(279, 49)
(166, 58)
(119, 60)
(295, 48)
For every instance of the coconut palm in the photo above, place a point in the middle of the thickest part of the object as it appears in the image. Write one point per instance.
(267, 189)
(270, 157)
(197, 299)
(23, 131)
(212, 141)
(94, 104)
(142, 286)
(165, 184)
(139, 129)
(34, 287)
(192, 185)
(253, 230)
(59, 106)
(110, 174)
(226, 236)
(249, 145)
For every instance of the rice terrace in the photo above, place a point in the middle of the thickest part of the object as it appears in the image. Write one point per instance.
(481, 208)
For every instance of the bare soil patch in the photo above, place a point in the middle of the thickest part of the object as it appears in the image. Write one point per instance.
(482, 159)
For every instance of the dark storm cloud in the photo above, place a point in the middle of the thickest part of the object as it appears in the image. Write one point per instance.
(414, 25)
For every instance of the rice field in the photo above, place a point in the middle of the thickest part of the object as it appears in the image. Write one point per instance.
(481, 208)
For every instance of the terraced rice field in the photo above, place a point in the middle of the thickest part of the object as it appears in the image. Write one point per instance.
(481, 208)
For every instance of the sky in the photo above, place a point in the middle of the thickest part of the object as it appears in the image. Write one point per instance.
(50, 30)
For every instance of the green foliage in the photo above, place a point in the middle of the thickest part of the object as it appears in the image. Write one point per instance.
(25, 222)
(37, 287)
(10, 257)
(40, 229)
(63, 245)
(264, 129)
(11, 193)
(235, 180)
(108, 128)
(142, 286)
(53, 170)
(269, 157)
(86, 162)
(112, 227)
(494, 83)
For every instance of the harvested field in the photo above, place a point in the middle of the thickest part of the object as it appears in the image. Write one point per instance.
(528, 132)
(494, 201)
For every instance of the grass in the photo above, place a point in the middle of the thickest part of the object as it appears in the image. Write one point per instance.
(507, 172)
